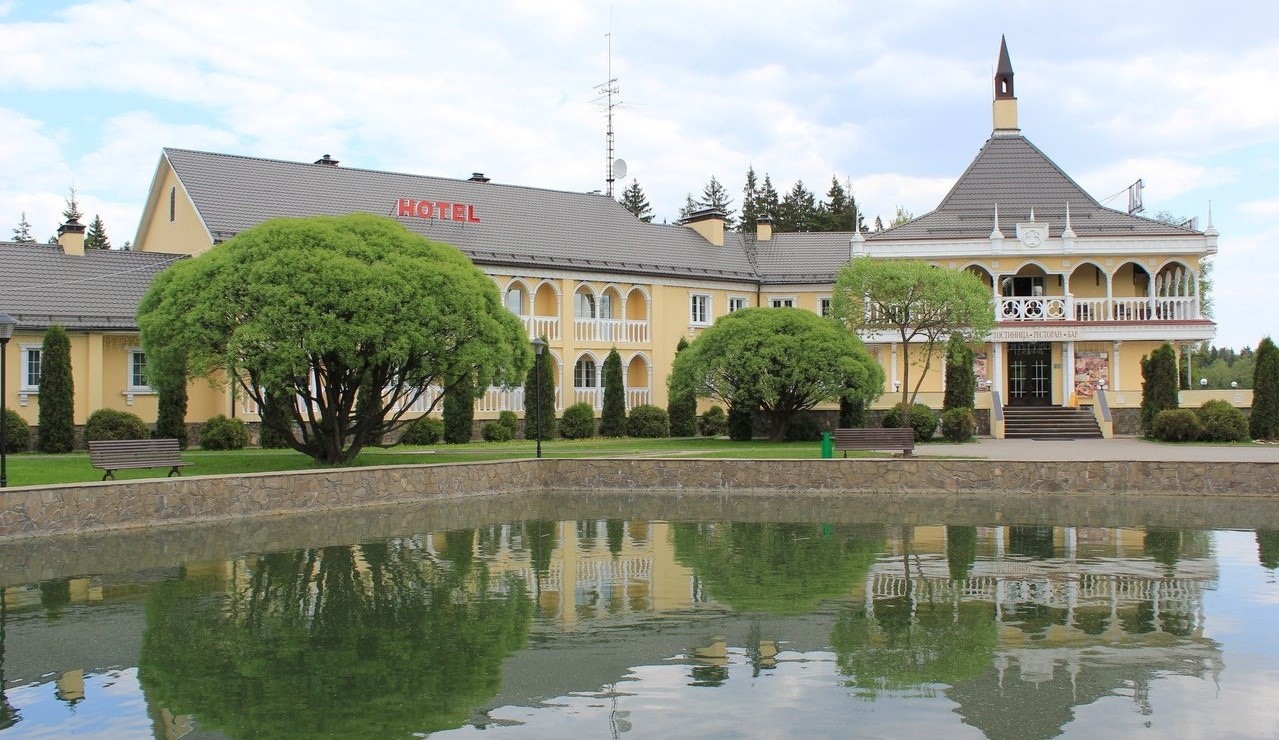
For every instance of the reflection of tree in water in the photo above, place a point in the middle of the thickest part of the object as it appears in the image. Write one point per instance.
(539, 538)
(8, 715)
(1268, 548)
(776, 568)
(961, 550)
(615, 529)
(1032, 542)
(377, 640)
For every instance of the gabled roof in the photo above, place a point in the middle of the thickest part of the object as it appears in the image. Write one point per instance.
(41, 286)
(517, 226)
(1012, 173)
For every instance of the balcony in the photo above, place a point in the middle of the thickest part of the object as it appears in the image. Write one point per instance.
(624, 331)
(1070, 308)
(595, 397)
(542, 326)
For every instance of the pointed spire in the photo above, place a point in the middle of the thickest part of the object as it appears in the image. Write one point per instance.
(857, 243)
(1032, 214)
(1005, 105)
(1068, 233)
(1211, 230)
(1005, 66)
(996, 233)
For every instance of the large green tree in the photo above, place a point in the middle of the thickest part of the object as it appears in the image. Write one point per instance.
(1158, 384)
(57, 393)
(788, 360)
(681, 404)
(913, 303)
(634, 200)
(613, 415)
(353, 316)
(1263, 422)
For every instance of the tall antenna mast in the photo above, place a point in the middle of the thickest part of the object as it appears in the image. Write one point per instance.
(607, 90)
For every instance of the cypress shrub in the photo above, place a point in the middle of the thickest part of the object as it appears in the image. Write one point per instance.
(852, 413)
(170, 385)
(803, 428)
(681, 408)
(459, 410)
(613, 415)
(496, 431)
(17, 432)
(578, 422)
(1222, 422)
(57, 393)
(107, 424)
(424, 430)
(958, 424)
(1177, 425)
(222, 433)
(1264, 420)
(741, 421)
(961, 381)
(275, 416)
(509, 420)
(714, 422)
(647, 420)
(922, 420)
(546, 403)
(1158, 385)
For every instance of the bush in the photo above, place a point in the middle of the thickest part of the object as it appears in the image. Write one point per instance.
(922, 420)
(424, 430)
(112, 424)
(741, 422)
(803, 428)
(57, 393)
(1177, 425)
(647, 420)
(17, 432)
(613, 413)
(1223, 422)
(509, 420)
(496, 431)
(958, 424)
(714, 422)
(459, 411)
(578, 421)
(222, 433)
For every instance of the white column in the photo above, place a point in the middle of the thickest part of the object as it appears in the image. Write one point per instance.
(1114, 382)
(996, 367)
(892, 361)
(1067, 371)
(1110, 297)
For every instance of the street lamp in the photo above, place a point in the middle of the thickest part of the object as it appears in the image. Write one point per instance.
(7, 323)
(1203, 383)
(539, 344)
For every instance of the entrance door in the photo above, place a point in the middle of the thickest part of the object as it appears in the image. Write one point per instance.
(1029, 374)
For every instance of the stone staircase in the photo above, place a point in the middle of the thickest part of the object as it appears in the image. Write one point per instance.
(1050, 422)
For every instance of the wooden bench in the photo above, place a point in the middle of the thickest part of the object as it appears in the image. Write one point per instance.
(900, 438)
(120, 454)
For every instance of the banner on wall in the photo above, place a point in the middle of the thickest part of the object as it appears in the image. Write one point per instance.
(1091, 369)
(979, 368)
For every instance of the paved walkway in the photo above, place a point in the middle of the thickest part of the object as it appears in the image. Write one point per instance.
(1119, 448)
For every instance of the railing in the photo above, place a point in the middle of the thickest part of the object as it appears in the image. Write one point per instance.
(542, 326)
(1038, 308)
(595, 397)
(1070, 308)
(638, 397)
(625, 331)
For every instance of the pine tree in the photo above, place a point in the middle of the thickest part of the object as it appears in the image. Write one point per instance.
(613, 416)
(22, 233)
(798, 210)
(1263, 423)
(714, 195)
(879, 224)
(767, 204)
(961, 381)
(750, 201)
(546, 404)
(71, 212)
(681, 408)
(690, 207)
(837, 211)
(170, 385)
(95, 237)
(634, 200)
(57, 393)
(1158, 385)
(900, 217)
(459, 410)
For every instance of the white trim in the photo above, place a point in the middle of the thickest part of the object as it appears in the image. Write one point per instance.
(979, 248)
(23, 386)
(830, 301)
(130, 388)
(786, 301)
(709, 317)
(745, 300)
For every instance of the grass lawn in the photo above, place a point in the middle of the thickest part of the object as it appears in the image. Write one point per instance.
(32, 469)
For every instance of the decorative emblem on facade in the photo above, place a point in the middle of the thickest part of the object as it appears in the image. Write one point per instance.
(1032, 233)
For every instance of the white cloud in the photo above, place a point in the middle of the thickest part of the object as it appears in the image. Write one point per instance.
(1163, 178)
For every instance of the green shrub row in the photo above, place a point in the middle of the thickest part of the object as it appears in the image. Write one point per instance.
(1215, 421)
(922, 420)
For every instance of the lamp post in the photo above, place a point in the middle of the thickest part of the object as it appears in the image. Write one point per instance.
(7, 323)
(539, 344)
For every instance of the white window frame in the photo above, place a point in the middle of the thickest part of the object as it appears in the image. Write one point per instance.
(782, 301)
(520, 294)
(706, 314)
(25, 365)
(737, 302)
(825, 311)
(584, 365)
(131, 357)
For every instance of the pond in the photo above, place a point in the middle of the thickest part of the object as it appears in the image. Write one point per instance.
(657, 615)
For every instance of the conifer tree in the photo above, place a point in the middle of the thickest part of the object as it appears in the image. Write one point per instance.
(459, 410)
(71, 211)
(681, 407)
(22, 233)
(690, 207)
(715, 195)
(613, 416)
(634, 200)
(750, 201)
(546, 403)
(1263, 422)
(798, 211)
(169, 381)
(57, 393)
(961, 381)
(95, 237)
(837, 211)
(1158, 385)
(767, 204)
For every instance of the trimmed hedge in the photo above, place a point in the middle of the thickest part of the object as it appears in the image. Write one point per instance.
(1222, 422)
(509, 420)
(222, 433)
(958, 424)
(106, 424)
(714, 422)
(496, 431)
(922, 420)
(17, 432)
(424, 430)
(647, 420)
(1177, 425)
(578, 421)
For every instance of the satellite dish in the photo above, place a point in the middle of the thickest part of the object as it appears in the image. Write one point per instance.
(619, 168)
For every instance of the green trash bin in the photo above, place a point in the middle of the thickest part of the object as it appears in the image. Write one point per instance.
(828, 446)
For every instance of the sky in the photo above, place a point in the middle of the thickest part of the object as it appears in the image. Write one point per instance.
(891, 97)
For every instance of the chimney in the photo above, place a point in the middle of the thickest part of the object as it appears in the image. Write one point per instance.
(709, 223)
(477, 177)
(71, 238)
(327, 161)
(763, 229)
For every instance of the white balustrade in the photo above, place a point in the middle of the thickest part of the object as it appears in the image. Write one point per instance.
(593, 396)
(1035, 308)
(638, 397)
(1070, 308)
(624, 331)
(542, 326)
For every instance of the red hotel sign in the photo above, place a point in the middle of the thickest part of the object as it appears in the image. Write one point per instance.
(438, 209)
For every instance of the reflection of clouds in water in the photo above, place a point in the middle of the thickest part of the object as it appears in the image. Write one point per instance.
(118, 709)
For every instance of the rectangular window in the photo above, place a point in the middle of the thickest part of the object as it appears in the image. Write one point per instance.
(736, 303)
(138, 371)
(31, 369)
(173, 203)
(584, 374)
(515, 301)
(583, 306)
(699, 309)
(823, 306)
(783, 303)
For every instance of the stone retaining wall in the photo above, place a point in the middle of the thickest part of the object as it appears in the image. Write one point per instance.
(93, 507)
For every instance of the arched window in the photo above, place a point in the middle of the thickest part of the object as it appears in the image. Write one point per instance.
(584, 375)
